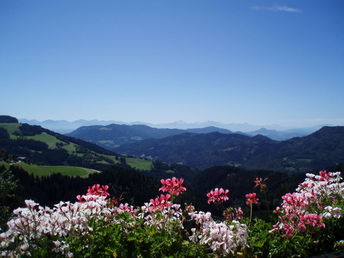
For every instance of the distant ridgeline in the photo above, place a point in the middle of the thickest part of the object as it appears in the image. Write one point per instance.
(319, 150)
(211, 146)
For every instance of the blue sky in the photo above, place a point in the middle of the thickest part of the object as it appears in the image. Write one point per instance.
(260, 62)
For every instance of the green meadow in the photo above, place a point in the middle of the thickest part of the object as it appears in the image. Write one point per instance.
(38, 170)
(47, 138)
(11, 128)
(140, 164)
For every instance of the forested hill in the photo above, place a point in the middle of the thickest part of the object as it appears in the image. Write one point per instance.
(114, 135)
(322, 149)
(41, 146)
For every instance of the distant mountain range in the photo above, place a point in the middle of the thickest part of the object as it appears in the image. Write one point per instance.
(114, 135)
(211, 146)
(274, 132)
(322, 149)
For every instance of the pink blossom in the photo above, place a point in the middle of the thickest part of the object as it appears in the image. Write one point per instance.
(172, 185)
(305, 208)
(126, 207)
(94, 190)
(258, 182)
(160, 202)
(98, 190)
(315, 220)
(218, 195)
(80, 198)
(324, 176)
(251, 199)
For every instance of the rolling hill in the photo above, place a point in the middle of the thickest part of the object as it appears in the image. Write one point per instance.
(114, 135)
(34, 144)
(322, 149)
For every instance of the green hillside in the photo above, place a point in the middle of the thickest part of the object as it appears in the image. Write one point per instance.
(46, 148)
(40, 171)
(12, 129)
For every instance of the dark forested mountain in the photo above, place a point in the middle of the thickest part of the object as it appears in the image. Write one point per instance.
(8, 119)
(200, 150)
(114, 135)
(322, 149)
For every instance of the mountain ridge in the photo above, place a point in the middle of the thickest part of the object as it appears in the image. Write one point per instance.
(323, 148)
(114, 135)
(275, 132)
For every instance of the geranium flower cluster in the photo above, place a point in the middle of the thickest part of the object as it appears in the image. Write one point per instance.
(160, 202)
(173, 186)
(219, 236)
(218, 195)
(35, 221)
(319, 197)
(126, 208)
(259, 182)
(95, 190)
(251, 198)
(164, 219)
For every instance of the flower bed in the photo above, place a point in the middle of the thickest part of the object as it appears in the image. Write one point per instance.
(310, 220)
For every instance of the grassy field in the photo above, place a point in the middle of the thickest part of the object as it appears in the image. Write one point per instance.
(113, 158)
(71, 148)
(11, 128)
(44, 137)
(140, 164)
(38, 170)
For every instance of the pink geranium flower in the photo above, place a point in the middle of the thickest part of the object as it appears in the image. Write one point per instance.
(95, 190)
(173, 186)
(127, 207)
(160, 202)
(98, 190)
(258, 182)
(218, 195)
(251, 198)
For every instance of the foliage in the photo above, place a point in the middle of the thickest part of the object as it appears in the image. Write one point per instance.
(97, 225)
(8, 189)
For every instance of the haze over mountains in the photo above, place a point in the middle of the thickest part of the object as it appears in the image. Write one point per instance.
(198, 148)
(322, 149)
(114, 135)
(211, 146)
(274, 132)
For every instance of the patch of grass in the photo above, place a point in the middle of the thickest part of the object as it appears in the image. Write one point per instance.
(113, 158)
(11, 129)
(140, 164)
(108, 143)
(48, 139)
(38, 170)
(4, 164)
(71, 148)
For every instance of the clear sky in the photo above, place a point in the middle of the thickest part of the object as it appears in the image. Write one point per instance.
(260, 62)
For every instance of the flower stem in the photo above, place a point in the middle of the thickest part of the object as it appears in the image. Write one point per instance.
(250, 212)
